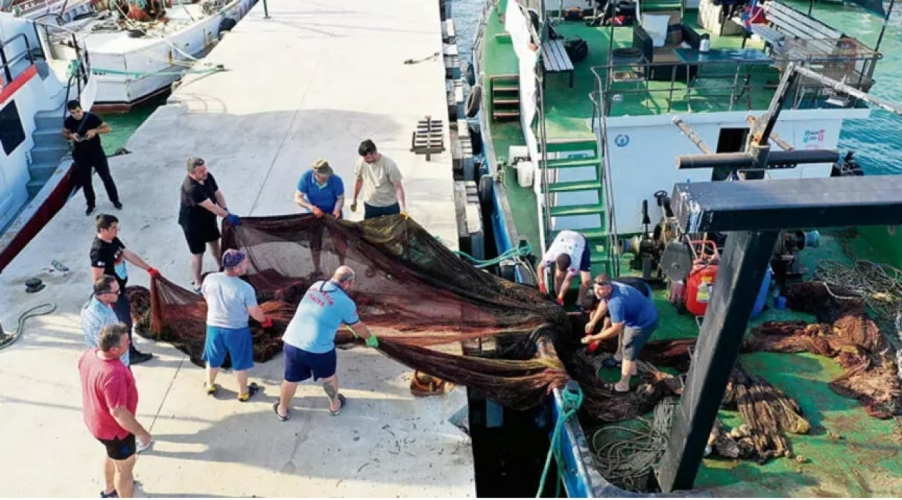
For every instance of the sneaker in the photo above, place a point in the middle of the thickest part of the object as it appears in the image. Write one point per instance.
(139, 357)
(114, 494)
(89, 211)
(118, 205)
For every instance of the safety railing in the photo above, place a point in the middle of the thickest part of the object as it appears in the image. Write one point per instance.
(601, 138)
(8, 58)
(704, 81)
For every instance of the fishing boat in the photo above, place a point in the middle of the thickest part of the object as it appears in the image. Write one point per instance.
(35, 161)
(582, 111)
(139, 48)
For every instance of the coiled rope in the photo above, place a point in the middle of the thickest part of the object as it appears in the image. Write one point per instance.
(626, 456)
(8, 340)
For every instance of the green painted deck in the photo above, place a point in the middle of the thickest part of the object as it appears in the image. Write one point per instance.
(865, 461)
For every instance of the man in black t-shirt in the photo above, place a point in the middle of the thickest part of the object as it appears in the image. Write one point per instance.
(201, 202)
(84, 130)
(108, 257)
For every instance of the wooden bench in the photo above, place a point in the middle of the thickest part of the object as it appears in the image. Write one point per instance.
(555, 58)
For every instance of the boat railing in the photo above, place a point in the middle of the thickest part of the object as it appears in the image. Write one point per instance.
(601, 138)
(731, 84)
(79, 68)
(9, 57)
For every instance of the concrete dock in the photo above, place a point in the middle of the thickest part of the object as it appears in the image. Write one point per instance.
(310, 82)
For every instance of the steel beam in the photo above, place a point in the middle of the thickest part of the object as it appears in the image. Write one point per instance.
(739, 277)
(791, 203)
(692, 136)
(746, 161)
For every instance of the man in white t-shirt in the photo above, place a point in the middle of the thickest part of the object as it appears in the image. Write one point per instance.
(380, 179)
(570, 253)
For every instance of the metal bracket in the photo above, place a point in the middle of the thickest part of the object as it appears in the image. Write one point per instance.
(428, 138)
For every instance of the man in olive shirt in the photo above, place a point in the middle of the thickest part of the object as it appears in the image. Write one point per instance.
(380, 179)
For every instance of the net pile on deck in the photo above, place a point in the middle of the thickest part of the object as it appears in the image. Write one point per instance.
(412, 291)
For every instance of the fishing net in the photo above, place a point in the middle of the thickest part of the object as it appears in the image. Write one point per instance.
(412, 291)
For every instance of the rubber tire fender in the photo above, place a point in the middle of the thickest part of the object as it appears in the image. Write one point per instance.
(486, 190)
(473, 101)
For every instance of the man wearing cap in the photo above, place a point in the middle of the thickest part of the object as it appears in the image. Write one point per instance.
(230, 300)
(201, 202)
(570, 253)
(321, 192)
(380, 179)
(633, 318)
(309, 339)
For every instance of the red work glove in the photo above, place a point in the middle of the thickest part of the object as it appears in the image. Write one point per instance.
(153, 272)
(593, 346)
(267, 323)
(317, 212)
(543, 288)
(560, 301)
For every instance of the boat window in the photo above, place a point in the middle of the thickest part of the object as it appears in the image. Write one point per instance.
(11, 132)
(731, 140)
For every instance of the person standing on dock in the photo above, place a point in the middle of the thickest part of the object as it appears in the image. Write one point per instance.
(84, 130)
(570, 253)
(230, 300)
(110, 402)
(633, 320)
(99, 312)
(309, 339)
(108, 258)
(380, 178)
(201, 202)
(321, 192)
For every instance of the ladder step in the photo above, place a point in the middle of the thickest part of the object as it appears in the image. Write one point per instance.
(505, 87)
(568, 145)
(569, 210)
(568, 163)
(565, 187)
(505, 114)
(496, 102)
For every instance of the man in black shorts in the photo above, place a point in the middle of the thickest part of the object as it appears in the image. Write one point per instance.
(108, 258)
(84, 130)
(110, 402)
(202, 202)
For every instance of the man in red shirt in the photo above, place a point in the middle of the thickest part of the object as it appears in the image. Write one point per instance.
(110, 399)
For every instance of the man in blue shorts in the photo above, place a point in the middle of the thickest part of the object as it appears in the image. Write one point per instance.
(230, 300)
(309, 340)
(570, 253)
(633, 318)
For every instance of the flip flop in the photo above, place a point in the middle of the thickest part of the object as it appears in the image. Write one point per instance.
(341, 406)
(252, 389)
(210, 389)
(275, 408)
(613, 388)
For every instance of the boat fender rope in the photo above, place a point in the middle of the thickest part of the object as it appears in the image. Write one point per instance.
(572, 399)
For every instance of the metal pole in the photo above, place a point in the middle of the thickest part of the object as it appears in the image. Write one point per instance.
(692, 136)
(852, 91)
(265, 10)
(885, 22)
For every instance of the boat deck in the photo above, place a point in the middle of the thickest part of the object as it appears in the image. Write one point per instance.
(259, 126)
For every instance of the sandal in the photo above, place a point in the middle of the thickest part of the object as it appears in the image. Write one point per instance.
(613, 388)
(341, 405)
(275, 408)
(211, 389)
(252, 389)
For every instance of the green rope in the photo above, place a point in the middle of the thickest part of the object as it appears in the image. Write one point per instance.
(101, 71)
(520, 251)
(572, 400)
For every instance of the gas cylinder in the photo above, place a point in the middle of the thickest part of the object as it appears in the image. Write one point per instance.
(700, 281)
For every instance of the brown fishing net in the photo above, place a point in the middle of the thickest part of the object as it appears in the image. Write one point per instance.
(412, 291)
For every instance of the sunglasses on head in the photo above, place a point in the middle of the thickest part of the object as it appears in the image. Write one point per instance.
(198, 162)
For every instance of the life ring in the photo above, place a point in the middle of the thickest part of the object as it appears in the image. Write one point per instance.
(473, 100)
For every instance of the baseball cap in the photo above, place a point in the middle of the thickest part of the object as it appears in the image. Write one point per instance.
(322, 167)
(232, 258)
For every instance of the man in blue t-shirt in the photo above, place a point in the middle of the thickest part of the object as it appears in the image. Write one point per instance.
(309, 339)
(321, 192)
(633, 318)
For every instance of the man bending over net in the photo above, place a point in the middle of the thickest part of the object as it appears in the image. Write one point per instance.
(309, 339)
